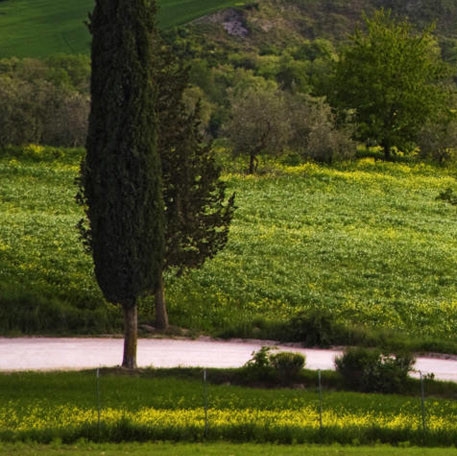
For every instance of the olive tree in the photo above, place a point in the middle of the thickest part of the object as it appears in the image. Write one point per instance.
(259, 122)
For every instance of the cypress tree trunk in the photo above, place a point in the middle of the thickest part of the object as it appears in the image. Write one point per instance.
(160, 306)
(130, 335)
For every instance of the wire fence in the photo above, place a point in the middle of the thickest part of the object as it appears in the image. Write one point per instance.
(158, 407)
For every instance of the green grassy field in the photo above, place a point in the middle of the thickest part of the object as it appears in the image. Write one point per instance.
(39, 28)
(155, 406)
(367, 242)
(217, 449)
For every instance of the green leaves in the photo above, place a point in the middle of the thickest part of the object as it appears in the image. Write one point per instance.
(392, 78)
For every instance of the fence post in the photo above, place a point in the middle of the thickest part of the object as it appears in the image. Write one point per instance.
(319, 377)
(423, 411)
(98, 404)
(205, 400)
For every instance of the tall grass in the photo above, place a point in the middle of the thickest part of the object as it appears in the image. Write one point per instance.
(366, 243)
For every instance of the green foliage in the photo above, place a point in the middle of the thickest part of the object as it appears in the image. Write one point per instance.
(196, 211)
(438, 137)
(314, 132)
(288, 364)
(266, 366)
(258, 123)
(448, 195)
(371, 370)
(44, 101)
(261, 359)
(391, 78)
(316, 327)
(120, 177)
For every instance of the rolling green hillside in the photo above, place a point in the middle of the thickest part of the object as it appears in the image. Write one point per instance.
(38, 28)
(365, 241)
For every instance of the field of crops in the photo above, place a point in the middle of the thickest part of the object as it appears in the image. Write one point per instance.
(367, 242)
(45, 407)
(39, 28)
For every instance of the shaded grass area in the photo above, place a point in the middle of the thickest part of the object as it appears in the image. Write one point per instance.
(117, 406)
(360, 253)
(41, 28)
(215, 449)
(46, 279)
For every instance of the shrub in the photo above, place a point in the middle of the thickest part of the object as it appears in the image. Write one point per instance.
(313, 328)
(266, 366)
(371, 370)
(288, 364)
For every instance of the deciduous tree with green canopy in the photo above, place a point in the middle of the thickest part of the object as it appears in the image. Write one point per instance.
(392, 80)
(121, 176)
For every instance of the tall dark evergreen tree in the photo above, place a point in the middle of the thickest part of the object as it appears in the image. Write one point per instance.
(197, 212)
(121, 183)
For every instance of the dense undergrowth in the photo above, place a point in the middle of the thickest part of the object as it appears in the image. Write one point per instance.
(359, 253)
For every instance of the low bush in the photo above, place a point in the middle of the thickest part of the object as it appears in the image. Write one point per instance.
(288, 364)
(316, 327)
(271, 368)
(371, 370)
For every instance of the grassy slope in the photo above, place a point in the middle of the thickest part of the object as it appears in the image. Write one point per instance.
(366, 241)
(38, 28)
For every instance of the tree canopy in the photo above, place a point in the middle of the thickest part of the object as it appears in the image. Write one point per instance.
(197, 212)
(392, 80)
(259, 122)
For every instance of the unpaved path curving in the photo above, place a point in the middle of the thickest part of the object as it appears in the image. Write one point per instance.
(40, 353)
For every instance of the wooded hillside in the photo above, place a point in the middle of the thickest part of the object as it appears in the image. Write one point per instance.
(276, 23)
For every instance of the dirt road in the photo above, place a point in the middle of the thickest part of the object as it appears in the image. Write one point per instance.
(38, 353)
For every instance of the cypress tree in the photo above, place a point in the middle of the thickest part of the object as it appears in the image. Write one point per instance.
(197, 212)
(120, 178)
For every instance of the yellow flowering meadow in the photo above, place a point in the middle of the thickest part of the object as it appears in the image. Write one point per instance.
(39, 417)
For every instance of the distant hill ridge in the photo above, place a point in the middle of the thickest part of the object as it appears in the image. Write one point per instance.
(265, 26)
(335, 19)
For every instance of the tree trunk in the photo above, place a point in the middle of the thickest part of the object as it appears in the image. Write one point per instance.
(161, 306)
(387, 150)
(253, 163)
(130, 335)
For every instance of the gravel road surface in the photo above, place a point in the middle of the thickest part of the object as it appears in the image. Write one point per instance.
(40, 353)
